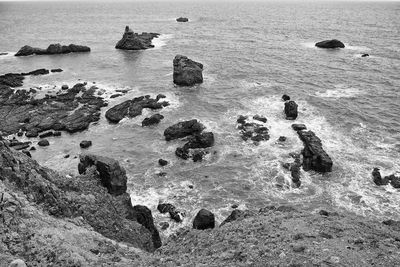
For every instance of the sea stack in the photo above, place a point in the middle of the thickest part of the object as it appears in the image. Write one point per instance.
(134, 41)
(330, 44)
(186, 71)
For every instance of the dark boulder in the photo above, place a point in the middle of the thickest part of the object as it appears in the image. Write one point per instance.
(182, 153)
(186, 71)
(56, 70)
(85, 144)
(365, 55)
(299, 127)
(171, 209)
(183, 129)
(260, 118)
(133, 108)
(314, 156)
(290, 110)
(330, 44)
(202, 140)
(285, 97)
(154, 119)
(112, 175)
(182, 19)
(162, 162)
(377, 178)
(143, 215)
(135, 41)
(43, 142)
(204, 220)
(28, 50)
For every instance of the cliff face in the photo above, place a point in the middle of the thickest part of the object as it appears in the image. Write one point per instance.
(49, 219)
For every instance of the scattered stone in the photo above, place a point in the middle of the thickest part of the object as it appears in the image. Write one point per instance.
(133, 108)
(85, 144)
(330, 44)
(56, 70)
(112, 175)
(314, 156)
(285, 97)
(154, 119)
(162, 162)
(186, 71)
(51, 50)
(260, 118)
(43, 142)
(282, 138)
(204, 220)
(182, 19)
(291, 110)
(299, 127)
(64, 87)
(251, 130)
(171, 209)
(135, 41)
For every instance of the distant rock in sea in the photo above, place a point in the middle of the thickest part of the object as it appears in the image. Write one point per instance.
(182, 19)
(134, 41)
(3, 53)
(53, 49)
(186, 71)
(330, 44)
(365, 55)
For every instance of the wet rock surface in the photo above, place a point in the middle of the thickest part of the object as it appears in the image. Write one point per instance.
(134, 41)
(393, 179)
(52, 50)
(204, 219)
(71, 110)
(134, 107)
(290, 110)
(186, 71)
(153, 119)
(330, 44)
(253, 131)
(174, 213)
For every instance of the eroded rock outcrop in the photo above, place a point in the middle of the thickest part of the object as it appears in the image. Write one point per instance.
(135, 41)
(51, 50)
(330, 44)
(134, 107)
(186, 71)
(255, 131)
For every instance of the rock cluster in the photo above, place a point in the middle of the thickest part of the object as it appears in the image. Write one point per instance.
(51, 50)
(175, 214)
(393, 179)
(254, 131)
(134, 107)
(135, 41)
(330, 44)
(197, 139)
(186, 71)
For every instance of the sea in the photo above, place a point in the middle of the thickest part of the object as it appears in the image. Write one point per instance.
(253, 52)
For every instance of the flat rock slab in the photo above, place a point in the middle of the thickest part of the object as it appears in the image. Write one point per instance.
(53, 49)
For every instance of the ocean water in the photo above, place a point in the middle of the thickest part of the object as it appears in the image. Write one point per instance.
(253, 52)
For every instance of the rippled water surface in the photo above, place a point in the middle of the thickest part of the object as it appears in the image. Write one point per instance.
(252, 54)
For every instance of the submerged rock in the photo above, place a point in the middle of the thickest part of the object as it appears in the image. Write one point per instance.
(135, 41)
(204, 219)
(162, 162)
(112, 175)
(133, 108)
(314, 156)
(85, 144)
(51, 50)
(154, 119)
(290, 110)
(330, 44)
(285, 97)
(182, 19)
(252, 130)
(43, 142)
(186, 71)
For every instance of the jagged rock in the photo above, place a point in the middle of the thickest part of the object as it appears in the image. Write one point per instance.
(282, 139)
(154, 119)
(394, 180)
(204, 220)
(51, 50)
(330, 44)
(186, 71)
(64, 87)
(182, 19)
(377, 178)
(162, 162)
(171, 209)
(43, 142)
(133, 108)
(85, 144)
(314, 156)
(112, 175)
(291, 110)
(183, 129)
(135, 41)
(143, 215)
(237, 215)
(202, 140)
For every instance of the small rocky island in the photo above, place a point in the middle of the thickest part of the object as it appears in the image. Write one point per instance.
(330, 44)
(186, 71)
(134, 41)
(182, 19)
(53, 49)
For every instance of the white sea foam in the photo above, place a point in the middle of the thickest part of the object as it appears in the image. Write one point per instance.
(340, 93)
(161, 40)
